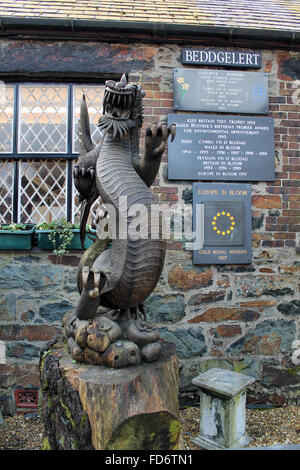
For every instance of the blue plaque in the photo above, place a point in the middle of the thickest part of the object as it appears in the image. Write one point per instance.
(225, 91)
(222, 223)
(226, 148)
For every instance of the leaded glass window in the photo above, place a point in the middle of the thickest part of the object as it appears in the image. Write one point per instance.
(38, 146)
(6, 118)
(43, 118)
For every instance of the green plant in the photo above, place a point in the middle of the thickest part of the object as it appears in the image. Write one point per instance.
(13, 227)
(60, 234)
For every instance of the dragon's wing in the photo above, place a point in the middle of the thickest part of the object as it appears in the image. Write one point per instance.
(84, 133)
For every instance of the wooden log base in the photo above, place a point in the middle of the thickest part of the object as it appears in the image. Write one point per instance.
(96, 407)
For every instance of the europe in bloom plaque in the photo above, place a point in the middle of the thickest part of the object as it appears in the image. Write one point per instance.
(222, 223)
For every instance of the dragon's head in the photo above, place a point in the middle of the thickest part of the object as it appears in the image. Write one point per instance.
(122, 107)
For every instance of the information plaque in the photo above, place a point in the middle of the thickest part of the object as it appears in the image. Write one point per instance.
(222, 223)
(215, 147)
(221, 91)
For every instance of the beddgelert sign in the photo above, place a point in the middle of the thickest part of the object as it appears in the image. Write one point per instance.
(221, 58)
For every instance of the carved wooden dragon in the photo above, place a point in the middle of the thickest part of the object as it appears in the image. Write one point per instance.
(122, 276)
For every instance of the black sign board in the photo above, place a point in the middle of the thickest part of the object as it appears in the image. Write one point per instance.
(221, 58)
(220, 90)
(227, 148)
(222, 223)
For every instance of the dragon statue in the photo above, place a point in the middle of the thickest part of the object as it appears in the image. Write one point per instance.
(115, 276)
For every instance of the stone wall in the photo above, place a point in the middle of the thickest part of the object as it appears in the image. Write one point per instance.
(240, 317)
(35, 293)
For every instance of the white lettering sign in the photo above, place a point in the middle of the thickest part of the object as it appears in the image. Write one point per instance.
(225, 58)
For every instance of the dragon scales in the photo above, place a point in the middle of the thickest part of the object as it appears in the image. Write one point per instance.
(115, 277)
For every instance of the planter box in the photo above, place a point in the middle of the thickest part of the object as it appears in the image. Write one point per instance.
(18, 240)
(45, 244)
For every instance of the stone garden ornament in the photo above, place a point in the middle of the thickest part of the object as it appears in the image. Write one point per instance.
(117, 273)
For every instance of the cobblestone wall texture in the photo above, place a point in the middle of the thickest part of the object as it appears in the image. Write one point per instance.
(239, 317)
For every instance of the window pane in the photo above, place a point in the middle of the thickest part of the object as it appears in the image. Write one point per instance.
(43, 190)
(6, 118)
(6, 191)
(94, 98)
(43, 119)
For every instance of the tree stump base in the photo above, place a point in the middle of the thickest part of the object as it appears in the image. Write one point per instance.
(95, 407)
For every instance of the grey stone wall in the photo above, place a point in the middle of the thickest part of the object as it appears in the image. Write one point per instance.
(241, 318)
(35, 293)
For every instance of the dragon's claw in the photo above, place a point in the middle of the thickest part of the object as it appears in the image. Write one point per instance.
(76, 171)
(157, 137)
(94, 293)
(85, 274)
(83, 172)
(97, 276)
(143, 311)
(91, 279)
(172, 131)
(161, 131)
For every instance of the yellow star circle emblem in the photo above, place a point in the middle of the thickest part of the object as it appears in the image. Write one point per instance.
(229, 222)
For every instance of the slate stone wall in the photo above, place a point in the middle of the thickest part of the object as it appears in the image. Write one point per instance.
(35, 293)
(240, 317)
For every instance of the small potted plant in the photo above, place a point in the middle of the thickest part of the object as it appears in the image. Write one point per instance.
(61, 236)
(16, 236)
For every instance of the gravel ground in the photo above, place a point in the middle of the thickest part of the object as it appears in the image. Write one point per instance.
(20, 433)
(266, 427)
(276, 426)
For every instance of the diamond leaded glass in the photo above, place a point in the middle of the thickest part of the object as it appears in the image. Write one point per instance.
(42, 123)
(43, 190)
(43, 119)
(6, 191)
(94, 100)
(6, 117)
